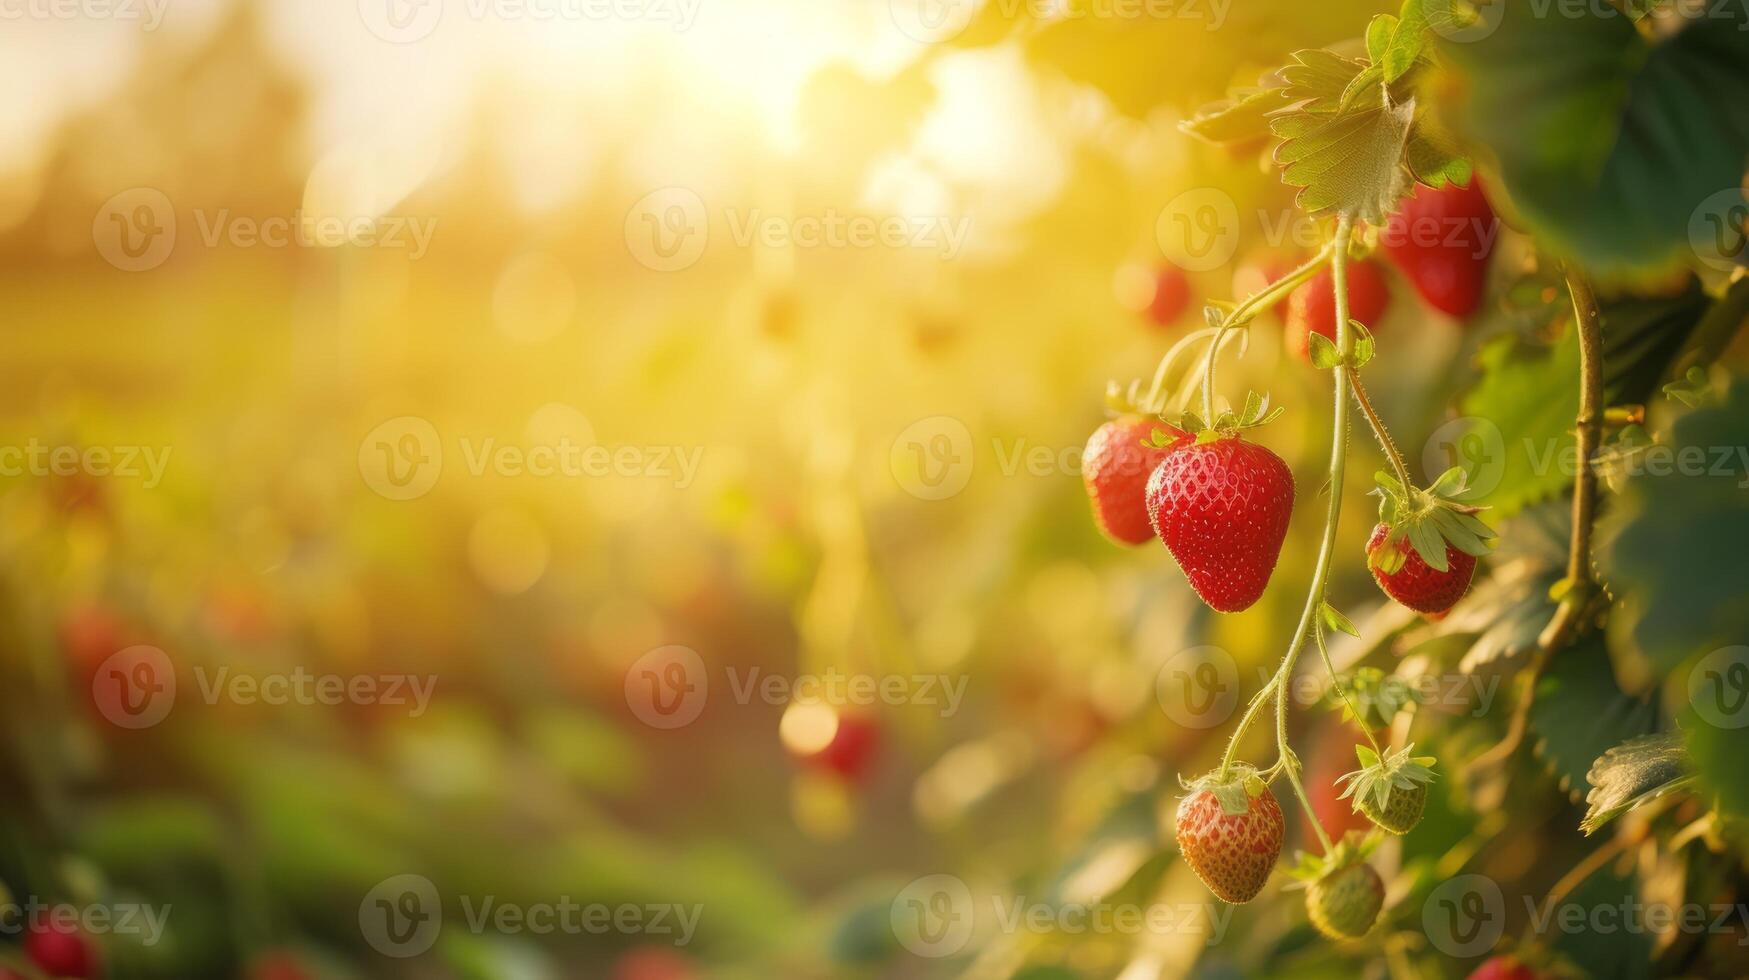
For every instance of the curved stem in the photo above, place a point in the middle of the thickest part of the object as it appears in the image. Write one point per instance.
(1324, 651)
(1379, 430)
(1580, 587)
(1263, 300)
(1277, 686)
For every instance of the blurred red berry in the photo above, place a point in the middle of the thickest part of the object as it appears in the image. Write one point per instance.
(1440, 240)
(1171, 295)
(1503, 968)
(61, 951)
(851, 750)
(1312, 306)
(279, 966)
(653, 963)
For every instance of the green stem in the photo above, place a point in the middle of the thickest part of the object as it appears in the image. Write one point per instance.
(1338, 253)
(1324, 651)
(1588, 321)
(1379, 430)
(1259, 302)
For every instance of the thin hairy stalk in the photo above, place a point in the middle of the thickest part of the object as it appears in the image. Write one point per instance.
(1324, 651)
(1166, 362)
(1378, 429)
(1259, 302)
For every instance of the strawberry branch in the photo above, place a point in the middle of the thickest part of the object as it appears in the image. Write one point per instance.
(1578, 588)
(1248, 310)
(1277, 685)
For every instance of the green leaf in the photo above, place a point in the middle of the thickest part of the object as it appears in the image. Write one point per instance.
(1607, 139)
(1633, 774)
(1406, 42)
(1378, 36)
(1348, 161)
(1428, 544)
(1253, 408)
(1435, 158)
(1324, 353)
(1364, 345)
(1580, 712)
(1334, 619)
(1679, 539)
(1245, 116)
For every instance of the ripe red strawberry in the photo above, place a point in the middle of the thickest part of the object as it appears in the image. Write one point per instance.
(1344, 903)
(1115, 468)
(1312, 305)
(1171, 295)
(60, 950)
(1440, 240)
(851, 751)
(1417, 584)
(1230, 834)
(1222, 509)
(1503, 968)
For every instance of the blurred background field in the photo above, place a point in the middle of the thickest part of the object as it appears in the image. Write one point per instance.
(808, 385)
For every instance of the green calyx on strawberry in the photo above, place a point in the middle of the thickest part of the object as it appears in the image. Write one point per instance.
(1230, 829)
(1391, 791)
(1221, 505)
(1423, 551)
(1344, 895)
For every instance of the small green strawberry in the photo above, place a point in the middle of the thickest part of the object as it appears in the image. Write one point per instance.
(1343, 893)
(1230, 832)
(1345, 903)
(1392, 791)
